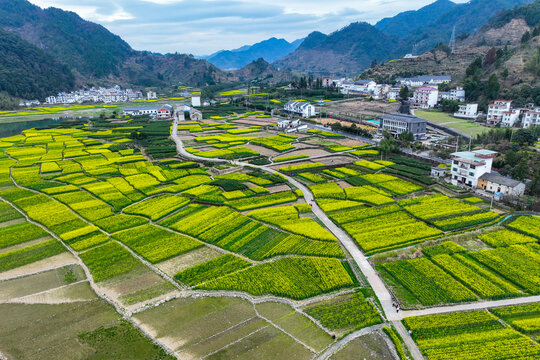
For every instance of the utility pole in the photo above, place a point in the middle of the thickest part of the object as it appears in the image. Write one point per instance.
(470, 141)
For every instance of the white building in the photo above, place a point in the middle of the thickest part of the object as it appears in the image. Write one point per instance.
(424, 80)
(301, 108)
(425, 97)
(114, 94)
(161, 111)
(500, 184)
(457, 94)
(469, 111)
(531, 118)
(469, 166)
(284, 124)
(393, 93)
(151, 95)
(196, 101)
(496, 111)
(510, 117)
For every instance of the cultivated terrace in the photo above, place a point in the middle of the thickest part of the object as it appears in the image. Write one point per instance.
(237, 239)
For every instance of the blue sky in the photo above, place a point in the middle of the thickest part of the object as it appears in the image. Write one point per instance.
(205, 26)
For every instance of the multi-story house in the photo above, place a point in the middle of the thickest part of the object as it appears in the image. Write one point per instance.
(457, 94)
(469, 111)
(301, 108)
(496, 111)
(162, 111)
(400, 123)
(425, 97)
(393, 93)
(469, 166)
(424, 80)
(531, 118)
(510, 117)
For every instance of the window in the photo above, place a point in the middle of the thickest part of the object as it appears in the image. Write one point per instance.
(473, 167)
(456, 162)
(471, 174)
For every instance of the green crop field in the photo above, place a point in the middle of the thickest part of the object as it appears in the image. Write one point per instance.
(466, 127)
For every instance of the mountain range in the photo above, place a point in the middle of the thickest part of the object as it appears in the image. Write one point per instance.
(270, 50)
(352, 49)
(51, 50)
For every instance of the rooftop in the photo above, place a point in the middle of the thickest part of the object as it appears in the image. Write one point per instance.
(402, 117)
(499, 179)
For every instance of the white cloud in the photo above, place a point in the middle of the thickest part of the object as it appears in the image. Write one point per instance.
(205, 26)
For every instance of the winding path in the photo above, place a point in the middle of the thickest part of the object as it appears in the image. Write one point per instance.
(375, 281)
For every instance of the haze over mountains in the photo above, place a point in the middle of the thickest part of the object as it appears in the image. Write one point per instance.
(270, 50)
(53, 50)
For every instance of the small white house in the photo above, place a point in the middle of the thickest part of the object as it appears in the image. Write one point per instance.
(469, 111)
(151, 95)
(510, 117)
(457, 94)
(531, 118)
(426, 97)
(196, 101)
(301, 108)
(496, 111)
(438, 172)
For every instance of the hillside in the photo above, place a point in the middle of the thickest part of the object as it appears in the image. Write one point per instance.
(349, 50)
(404, 23)
(505, 29)
(96, 56)
(352, 49)
(270, 50)
(467, 19)
(87, 48)
(27, 71)
(261, 71)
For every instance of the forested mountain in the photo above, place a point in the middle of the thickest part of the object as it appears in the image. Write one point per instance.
(27, 71)
(467, 19)
(501, 59)
(404, 23)
(94, 55)
(349, 50)
(270, 50)
(261, 70)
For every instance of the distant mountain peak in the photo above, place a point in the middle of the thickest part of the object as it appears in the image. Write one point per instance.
(270, 49)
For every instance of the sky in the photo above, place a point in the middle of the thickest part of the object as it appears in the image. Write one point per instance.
(206, 26)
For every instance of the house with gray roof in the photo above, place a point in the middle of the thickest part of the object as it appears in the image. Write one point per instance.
(302, 108)
(160, 111)
(397, 124)
(495, 183)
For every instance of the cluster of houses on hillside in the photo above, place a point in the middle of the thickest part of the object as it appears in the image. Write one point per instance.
(100, 95)
(502, 113)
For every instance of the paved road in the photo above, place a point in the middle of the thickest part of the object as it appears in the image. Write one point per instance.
(382, 293)
(472, 306)
(369, 272)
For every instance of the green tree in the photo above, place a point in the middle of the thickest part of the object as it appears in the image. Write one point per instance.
(493, 87)
(526, 37)
(505, 74)
(404, 93)
(511, 158)
(521, 170)
(449, 106)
